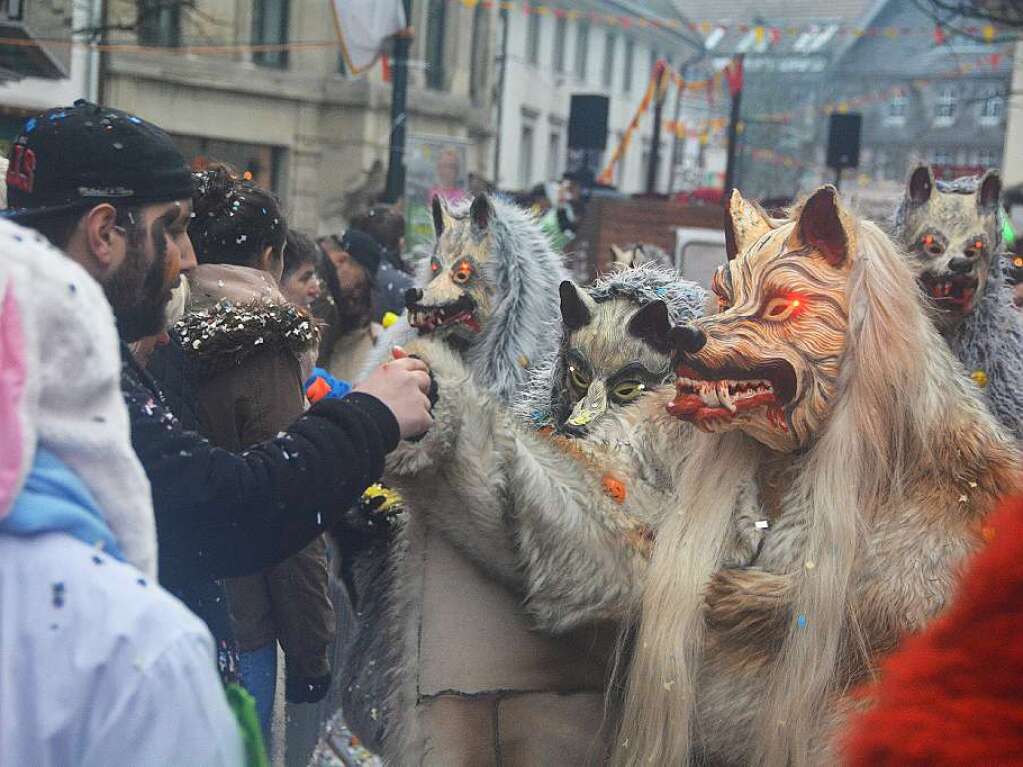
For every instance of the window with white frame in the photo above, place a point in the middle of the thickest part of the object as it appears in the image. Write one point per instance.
(895, 109)
(560, 33)
(582, 49)
(533, 37)
(992, 105)
(527, 137)
(610, 43)
(943, 157)
(946, 107)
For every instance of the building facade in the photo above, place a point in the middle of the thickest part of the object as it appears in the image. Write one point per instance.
(564, 48)
(41, 66)
(261, 84)
(940, 98)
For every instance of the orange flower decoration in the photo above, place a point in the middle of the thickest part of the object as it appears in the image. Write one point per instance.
(614, 488)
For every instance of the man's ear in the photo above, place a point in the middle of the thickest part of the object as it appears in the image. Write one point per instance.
(104, 241)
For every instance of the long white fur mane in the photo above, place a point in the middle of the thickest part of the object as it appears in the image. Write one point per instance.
(901, 398)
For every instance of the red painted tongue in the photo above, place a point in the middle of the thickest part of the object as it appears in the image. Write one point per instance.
(691, 407)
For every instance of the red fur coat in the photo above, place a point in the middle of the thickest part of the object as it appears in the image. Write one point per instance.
(954, 694)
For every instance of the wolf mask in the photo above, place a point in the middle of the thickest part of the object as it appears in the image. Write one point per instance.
(871, 461)
(948, 226)
(489, 289)
(767, 361)
(603, 364)
(953, 231)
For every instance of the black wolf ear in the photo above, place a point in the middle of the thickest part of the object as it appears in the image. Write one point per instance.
(440, 215)
(822, 226)
(989, 193)
(651, 325)
(481, 211)
(921, 184)
(576, 306)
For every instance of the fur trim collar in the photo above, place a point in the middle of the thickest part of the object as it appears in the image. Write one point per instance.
(226, 334)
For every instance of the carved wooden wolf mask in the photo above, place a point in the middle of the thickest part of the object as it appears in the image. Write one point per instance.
(767, 362)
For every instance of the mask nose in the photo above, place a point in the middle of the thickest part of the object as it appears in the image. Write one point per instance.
(960, 265)
(412, 297)
(687, 339)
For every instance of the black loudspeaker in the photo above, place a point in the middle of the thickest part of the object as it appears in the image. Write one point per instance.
(844, 140)
(587, 122)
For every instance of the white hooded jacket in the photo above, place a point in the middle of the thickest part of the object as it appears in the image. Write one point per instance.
(98, 664)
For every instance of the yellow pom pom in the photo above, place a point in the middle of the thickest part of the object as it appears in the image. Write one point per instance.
(389, 319)
(979, 377)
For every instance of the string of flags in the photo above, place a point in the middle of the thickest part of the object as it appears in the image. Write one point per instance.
(704, 131)
(761, 32)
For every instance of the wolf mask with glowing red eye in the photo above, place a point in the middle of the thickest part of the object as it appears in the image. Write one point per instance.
(767, 362)
(457, 299)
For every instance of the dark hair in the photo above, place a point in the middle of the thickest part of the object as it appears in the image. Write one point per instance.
(58, 227)
(233, 220)
(301, 250)
(384, 224)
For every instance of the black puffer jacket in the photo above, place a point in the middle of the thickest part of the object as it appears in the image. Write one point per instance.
(227, 514)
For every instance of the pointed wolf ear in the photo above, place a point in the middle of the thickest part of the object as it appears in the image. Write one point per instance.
(651, 325)
(617, 255)
(441, 215)
(576, 306)
(921, 184)
(823, 226)
(481, 211)
(745, 222)
(989, 192)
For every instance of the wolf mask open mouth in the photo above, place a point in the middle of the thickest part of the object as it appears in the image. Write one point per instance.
(426, 319)
(951, 292)
(709, 399)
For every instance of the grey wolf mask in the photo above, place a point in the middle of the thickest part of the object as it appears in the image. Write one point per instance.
(602, 364)
(953, 230)
(490, 289)
(952, 234)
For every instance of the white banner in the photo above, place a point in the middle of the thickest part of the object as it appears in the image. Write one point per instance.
(362, 28)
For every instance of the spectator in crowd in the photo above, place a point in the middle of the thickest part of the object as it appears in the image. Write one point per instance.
(254, 350)
(387, 227)
(98, 664)
(300, 282)
(115, 194)
(348, 271)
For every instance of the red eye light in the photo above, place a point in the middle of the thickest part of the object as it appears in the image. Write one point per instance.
(928, 239)
(979, 245)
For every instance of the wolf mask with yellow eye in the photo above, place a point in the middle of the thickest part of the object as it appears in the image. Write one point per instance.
(603, 363)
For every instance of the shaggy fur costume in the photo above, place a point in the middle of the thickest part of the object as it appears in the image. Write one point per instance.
(515, 286)
(513, 492)
(788, 548)
(953, 696)
(989, 340)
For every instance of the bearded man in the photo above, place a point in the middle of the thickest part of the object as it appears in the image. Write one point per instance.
(114, 193)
